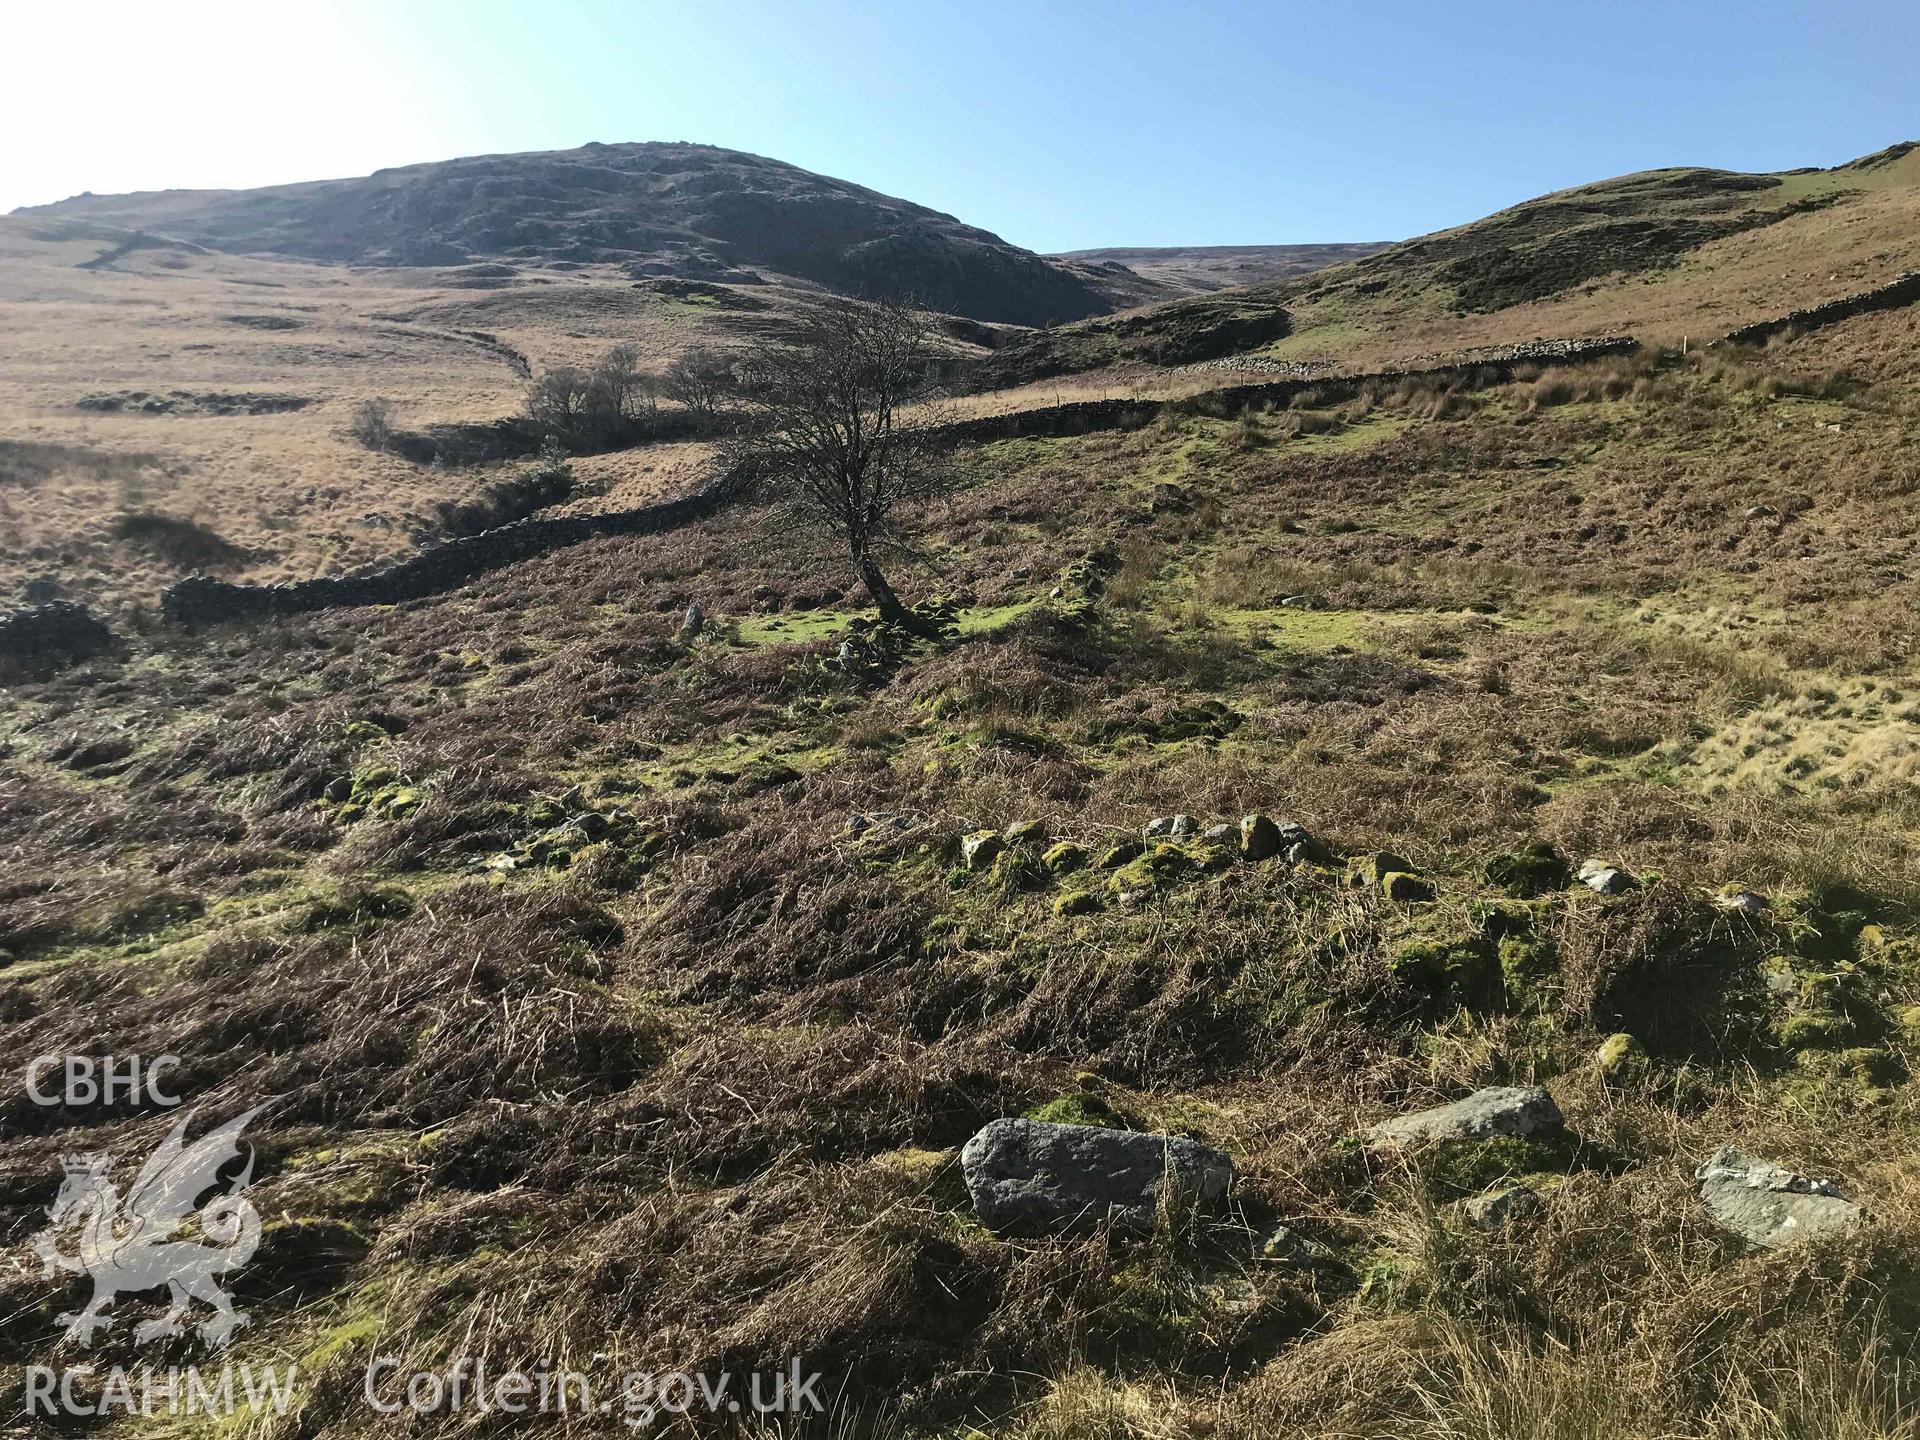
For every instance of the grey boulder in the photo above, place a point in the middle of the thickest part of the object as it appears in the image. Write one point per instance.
(1605, 879)
(1768, 1204)
(1172, 827)
(1032, 1177)
(1502, 1111)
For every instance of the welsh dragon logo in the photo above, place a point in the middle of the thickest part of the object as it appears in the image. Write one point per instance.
(136, 1244)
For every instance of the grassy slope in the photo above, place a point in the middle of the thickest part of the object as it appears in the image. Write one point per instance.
(1665, 253)
(689, 1094)
(286, 496)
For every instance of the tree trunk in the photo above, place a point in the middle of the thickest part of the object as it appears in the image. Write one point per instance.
(877, 587)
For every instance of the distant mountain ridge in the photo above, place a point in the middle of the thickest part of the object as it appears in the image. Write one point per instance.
(1174, 270)
(695, 211)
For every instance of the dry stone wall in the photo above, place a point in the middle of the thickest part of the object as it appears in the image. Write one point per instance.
(1891, 296)
(48, 636)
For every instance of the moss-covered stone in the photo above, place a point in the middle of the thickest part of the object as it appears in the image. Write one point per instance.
(1121, 853)
(1498, 919)
(1017, 870)
(1399, 885)
(1812, 1030)
(1209, 858)
(1075, 902)
(1438, 962)
(1027, 832)
(1621, 1059)
(1373, 869)
(1259, 837)
(1532, 870)
(1064, 858)
(1525, 963)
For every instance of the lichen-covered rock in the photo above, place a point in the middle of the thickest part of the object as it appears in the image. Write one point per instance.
(1289, 1247)
(1222, 835)
(1032, 1177)
(1171, 827)
(1026, 832)
(1210, 859)
(1769, 1205)
(981, 849)
(1499, 1111)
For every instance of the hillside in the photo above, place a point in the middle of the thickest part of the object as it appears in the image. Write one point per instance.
(1677, 251)
(690, 211)
(1200, 269)
(1031, 1020)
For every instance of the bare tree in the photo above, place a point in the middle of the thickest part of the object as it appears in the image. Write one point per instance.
(591, 409)
(701, 381)
(822, 423)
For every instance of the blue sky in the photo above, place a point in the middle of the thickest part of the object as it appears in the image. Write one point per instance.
(1059, 126)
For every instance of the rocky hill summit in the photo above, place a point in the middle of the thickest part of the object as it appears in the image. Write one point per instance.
(685, 210)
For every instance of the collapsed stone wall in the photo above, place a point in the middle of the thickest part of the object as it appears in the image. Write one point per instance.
(202, 601)
(1891, 296)
(1082, 416)
(48, 636)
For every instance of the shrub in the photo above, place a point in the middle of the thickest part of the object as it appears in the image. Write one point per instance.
(372, 424)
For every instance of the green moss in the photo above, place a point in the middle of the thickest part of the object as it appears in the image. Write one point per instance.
(1136, 878)
(1079, 1108)
(1064, 858)
(1524, 963)
(1859, 1068)
(1075, 902)
(1459, 1168)
(1210, 859)
(1017, 870)
(1532, 870)
(1027, 832)
(1389, 1281)
(1621, 1059)
(1435, 963)
(1120, 853)
(357, 906)
(1812, 1029)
